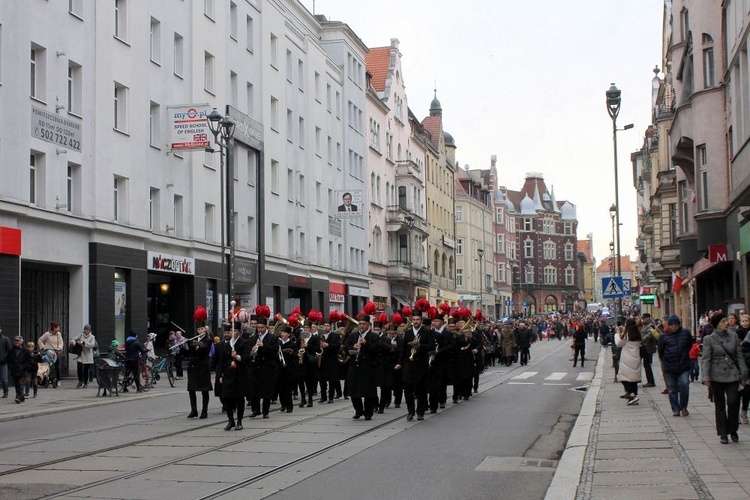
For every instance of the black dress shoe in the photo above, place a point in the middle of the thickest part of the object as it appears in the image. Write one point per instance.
(397, 406)
(254, 414)
(368, 417)
(203, 415)
(265, 415)
(410, 417)
(239, 427)
(330, 401)
(442, 405)
(420, 417)
(309, 405)
(380, 410)
(322, 400)
(735, 437)
(302, 404)
(193, 414)
(357, 416)
(724, 440)
(289, 410)
(433, 411)
(230, 425)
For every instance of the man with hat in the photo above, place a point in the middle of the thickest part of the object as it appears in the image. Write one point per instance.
(330, 343)
(235, 376)
(392, 387)
(365, 347)
(5, 347)
(649, 335)
(419, 340)
(439, 366)
(17, 360)
(199, 365)
(264, 348)
(219, 361)
(674, 352)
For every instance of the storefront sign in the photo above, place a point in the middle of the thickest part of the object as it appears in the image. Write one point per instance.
(717, 253)
(381, 303)
(157, 261)
(10, 241)
(360, 292)
(449, 242)
(299, 281)
(188, 127)
(336, 297)
(58, 130)
(246, 130)
(245, 271)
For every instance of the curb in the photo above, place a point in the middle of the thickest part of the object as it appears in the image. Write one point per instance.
(567, 476)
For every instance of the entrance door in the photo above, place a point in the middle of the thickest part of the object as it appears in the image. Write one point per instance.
(45, 297)
(166, 305)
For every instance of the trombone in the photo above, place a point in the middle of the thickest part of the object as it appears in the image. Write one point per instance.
(467, 326)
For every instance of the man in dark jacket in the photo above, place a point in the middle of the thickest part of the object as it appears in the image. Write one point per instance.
(674, 353)
(523, 341)
(5, 348)
(579, 343)
(17, 359)
(133, 352)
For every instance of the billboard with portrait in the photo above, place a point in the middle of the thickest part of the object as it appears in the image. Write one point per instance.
(349, 203)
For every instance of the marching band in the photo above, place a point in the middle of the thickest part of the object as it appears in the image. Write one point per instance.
(382, 360)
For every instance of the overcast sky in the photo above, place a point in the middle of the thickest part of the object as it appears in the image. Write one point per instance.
(526, 80)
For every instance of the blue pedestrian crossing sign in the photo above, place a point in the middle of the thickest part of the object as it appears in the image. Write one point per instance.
(613, 287)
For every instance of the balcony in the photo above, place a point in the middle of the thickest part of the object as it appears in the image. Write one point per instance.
(400, 218)
(407, 170)
(399, 270)
(443, 283)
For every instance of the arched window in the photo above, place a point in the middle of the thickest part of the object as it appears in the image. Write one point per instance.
(435, 263)
(445, 262)
(377, 243)
(402, 197)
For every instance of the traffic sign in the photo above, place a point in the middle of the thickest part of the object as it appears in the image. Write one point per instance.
(613, 287)
(626, 286)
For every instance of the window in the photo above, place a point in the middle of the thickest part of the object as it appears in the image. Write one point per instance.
(35, 160)
(301, 132)
(459, 278)
(121, 19)
(374, 134)
(38, 71)
(234, 97)
(708, 67)
(121, 107)
(302, 198)
(290, 185)
(178, 54)
(75, 88)
(702, 160)
(179, 214)
(317, 86)
(550, 276)
(528, 249)
(529, 274)
(208, 221)
(673, 223)
(154, 209)
(499, 215)
(75, 7)
(684, 24)
(569, 276)
(252, 167)
(568, 251)
(233, 26)
(388, 146)
(684, 199)
(208, 8)
(512, 250)
(119, 197)
(73, 188)
(318, 144)
(250, 33)
(275, 177)
(568, 228)
(501, 272)
(459, 213)
(528, 224)
(459, 246)
(301, 74)
(208, 72)
(289, 66)
(402, 197)
(548, 249)
(155, 40)
(274, 51)
(250, 91)
(500, 247)
(548, 226)
(274, 114)
(511, 225)
(154, 124)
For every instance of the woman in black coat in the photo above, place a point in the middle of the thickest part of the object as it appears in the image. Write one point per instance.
(235, 377)
(199, 370)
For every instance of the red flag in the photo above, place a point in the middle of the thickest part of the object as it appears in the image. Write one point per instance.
(676, 282)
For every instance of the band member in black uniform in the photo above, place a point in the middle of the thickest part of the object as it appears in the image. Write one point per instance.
(419, 340)
(252, 329)
(264, 369)
(310, 342)
(330, 343)
(478, 350)
(392, 388)
(218, 363)
(463, 362)
(439, 361)
(364, 348)
(344, 357)
(199, 365)
(287, 381)
(235, 378)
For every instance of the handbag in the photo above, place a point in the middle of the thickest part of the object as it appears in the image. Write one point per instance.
(76, 349)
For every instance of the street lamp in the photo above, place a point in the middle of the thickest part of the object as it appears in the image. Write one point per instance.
(613, 108)
(222, 128)
(480, 253)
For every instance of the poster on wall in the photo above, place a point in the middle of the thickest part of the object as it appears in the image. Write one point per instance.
(120, 304)
(210, 306)
(350, 203)
(188, 127)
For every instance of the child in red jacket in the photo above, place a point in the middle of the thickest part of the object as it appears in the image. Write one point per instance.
(695, 353)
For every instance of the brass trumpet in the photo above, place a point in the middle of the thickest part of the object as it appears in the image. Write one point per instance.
(414, 349)
(301, 352)
(301, 319)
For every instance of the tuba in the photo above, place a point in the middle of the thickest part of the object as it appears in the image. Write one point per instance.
(301, 319)
(351, 324)
(414, 349)
(467, 327)
(281, 323)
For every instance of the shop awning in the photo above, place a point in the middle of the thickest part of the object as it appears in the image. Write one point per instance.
(402, 300)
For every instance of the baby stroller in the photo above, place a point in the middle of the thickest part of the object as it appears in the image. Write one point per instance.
(45, 375)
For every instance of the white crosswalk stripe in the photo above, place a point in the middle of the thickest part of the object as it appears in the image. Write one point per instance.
(557, 376)
(554, 378)
(585, 376)
(525, 375)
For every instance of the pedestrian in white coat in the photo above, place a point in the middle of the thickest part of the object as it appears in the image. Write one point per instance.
(629, 340)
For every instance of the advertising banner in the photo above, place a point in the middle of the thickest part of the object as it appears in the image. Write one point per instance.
(188, 127)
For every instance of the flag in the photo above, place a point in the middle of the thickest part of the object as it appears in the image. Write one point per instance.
(658, 302)
(676, 282)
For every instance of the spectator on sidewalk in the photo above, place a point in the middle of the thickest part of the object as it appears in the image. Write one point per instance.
(674, 352)
(5, 348)
(629, 341)
(86, 358)
(133, 352)
(723, 367)
(579, 344)
(649, 336)
(17, 358)
(53, 339)
(32, 368)
(695, 354)
(743, 333)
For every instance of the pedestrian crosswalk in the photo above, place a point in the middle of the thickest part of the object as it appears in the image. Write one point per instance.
(552, 379)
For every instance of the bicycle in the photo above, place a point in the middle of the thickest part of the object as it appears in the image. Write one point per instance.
(151, 375)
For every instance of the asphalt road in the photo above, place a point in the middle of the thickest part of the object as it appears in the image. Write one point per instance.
(504, 441)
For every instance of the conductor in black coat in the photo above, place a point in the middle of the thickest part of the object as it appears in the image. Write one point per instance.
(235, 377)
(365, 348)
(419, 340)
(199, 371)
